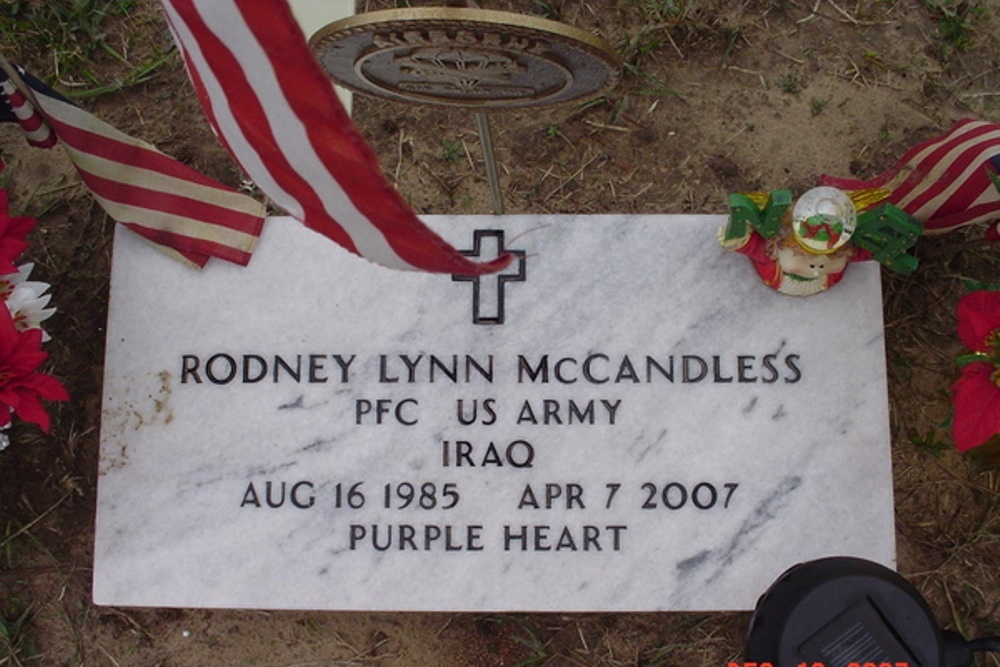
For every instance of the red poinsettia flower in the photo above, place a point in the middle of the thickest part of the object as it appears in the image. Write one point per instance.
(976, 395)
(12, 233)
(21, 387)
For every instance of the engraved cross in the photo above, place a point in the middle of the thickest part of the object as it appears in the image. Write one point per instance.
(488, 303)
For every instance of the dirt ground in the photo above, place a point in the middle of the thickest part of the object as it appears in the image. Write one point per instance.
(717, 97)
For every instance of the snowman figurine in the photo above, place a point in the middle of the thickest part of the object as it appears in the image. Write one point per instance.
(800, 250)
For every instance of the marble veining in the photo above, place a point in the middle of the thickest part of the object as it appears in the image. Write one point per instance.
(651, 428)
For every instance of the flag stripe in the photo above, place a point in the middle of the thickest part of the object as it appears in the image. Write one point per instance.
(35, 130)
(181, 246)
(280, 117)
(972, 215)
(311, 173)
(295, 192)
(76, 127)
(896, 175)
(918, 157)
(112, 168)
(928, 152)
(345, 155)
(26, 115)
(135, 186)
(260, 156)
(953, 186)
(168, 213)
(948, 162)
(151, 193)
(943, 182)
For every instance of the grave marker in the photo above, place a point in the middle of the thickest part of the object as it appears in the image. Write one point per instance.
(645, 426)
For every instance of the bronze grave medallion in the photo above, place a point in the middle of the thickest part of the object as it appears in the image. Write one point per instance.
(461, 57)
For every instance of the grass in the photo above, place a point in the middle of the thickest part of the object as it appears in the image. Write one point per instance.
(539, 654)
(640, 47)
(16, 643)
(453, 151)
(548, 9)
(956, 19)
(16, 646)
(934, 442)
(817, 105)
(665, 11)
(790, 84)
(657, 21)
(69, 44)
(70, 29)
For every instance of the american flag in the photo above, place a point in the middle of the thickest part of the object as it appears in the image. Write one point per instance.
(278, 114)
(946, 182)
(186, 214)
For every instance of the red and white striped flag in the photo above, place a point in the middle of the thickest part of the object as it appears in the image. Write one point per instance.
(278, 114)
(946, 182)
(19, 110)
(185, 213)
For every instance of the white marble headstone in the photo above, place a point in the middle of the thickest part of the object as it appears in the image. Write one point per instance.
(649, 428)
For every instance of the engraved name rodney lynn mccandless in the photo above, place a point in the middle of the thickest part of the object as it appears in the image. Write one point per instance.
(596, 368)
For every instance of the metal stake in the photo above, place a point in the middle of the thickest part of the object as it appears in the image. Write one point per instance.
(486, 140)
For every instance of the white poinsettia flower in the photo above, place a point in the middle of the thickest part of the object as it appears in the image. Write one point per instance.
(12, 280)
(27, 305)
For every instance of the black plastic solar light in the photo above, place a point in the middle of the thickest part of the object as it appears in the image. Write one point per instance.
(848, 612)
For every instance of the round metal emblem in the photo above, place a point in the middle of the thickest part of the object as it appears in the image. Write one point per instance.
(460, 57)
